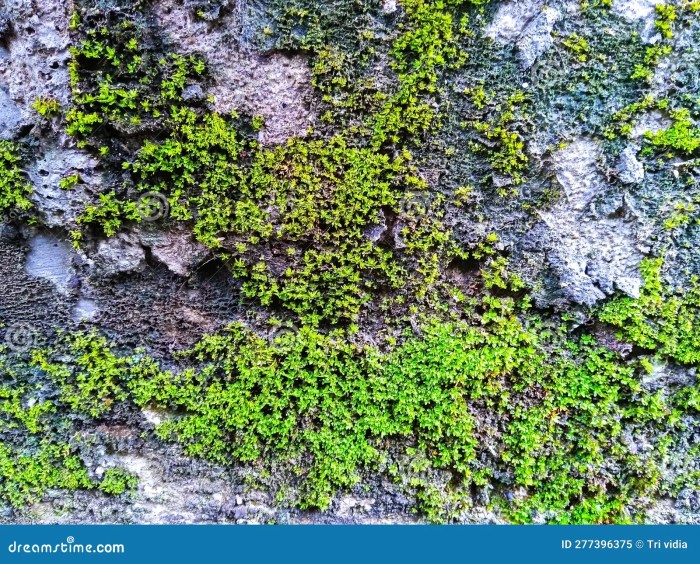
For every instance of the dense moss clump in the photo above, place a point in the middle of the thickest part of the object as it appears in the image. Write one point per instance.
(325, 407)
(117, 481)
(293, 222)
(38, 442)
(14, 188)
(660, 320)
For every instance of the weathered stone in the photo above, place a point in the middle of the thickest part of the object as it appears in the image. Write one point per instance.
(629, 169)
(120, 254)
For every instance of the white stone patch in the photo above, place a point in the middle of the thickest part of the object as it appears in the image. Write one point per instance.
(389, 6)
(85, 310)
(152, 416)
(592, 255)
(276, 87)
(651, 122)
(122, 253)
(635, 10)
(528, 24)
(168, 500)
(59, 207)
(511, 19)
(10, 115)
(176, 248)
(35, 64)
(642, 11)
(629, 169)
(537, 38)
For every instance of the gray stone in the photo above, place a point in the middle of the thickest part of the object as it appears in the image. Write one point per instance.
(51, 259)
(592, 255)
(635, 10)
(85, 310)
(276, 87)
(177, 249)
(193, 92)
(629, 169)
(37, 53)
(511, 18)
(10, 116)
(58, 207)
(643, 11)
(536, 38)
(651, 122)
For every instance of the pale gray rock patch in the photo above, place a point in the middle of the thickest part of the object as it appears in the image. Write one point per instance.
(389, 6)
(669, 376)
(59, 207)
(651, 122)
(629, 169)
(528, 24)
(511, 19)
(35, 63)
(350, 505)
(592, 253)
(276, 87)
(537, 38)
(85, 310)
(10, 116)
(177, 249)
(635, 10)
(642, 11)
(51, 259)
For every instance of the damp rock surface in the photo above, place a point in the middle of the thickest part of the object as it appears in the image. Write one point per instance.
(405, 258)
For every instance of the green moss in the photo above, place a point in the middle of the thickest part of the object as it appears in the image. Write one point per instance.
(484, 392)
(661, 320)
(502, 141)
(427, 46)
(578, 46)
(682, 136)
(68, 182)
(324, 408)
(666, 15)
(568, 449)
(91, 384)
(25, 477)
(14, 188)
(120, 82)
(47, 107)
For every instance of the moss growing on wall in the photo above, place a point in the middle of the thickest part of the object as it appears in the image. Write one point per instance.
(344, 231)
(326, 407)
